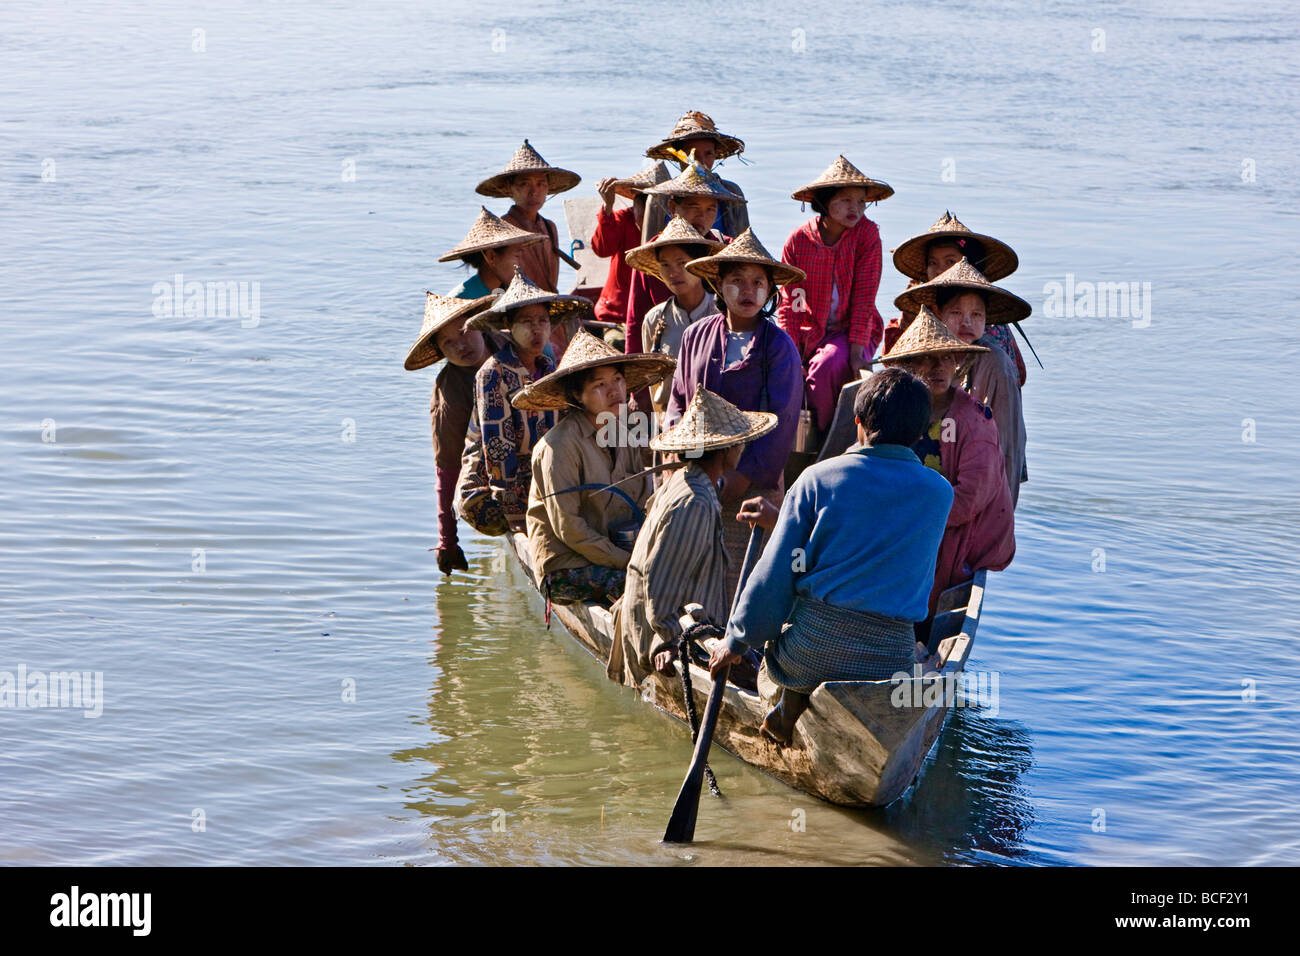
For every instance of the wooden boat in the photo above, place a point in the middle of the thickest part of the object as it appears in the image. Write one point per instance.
(859, 743)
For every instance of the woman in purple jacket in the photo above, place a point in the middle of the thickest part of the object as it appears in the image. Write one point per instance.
(746, 358)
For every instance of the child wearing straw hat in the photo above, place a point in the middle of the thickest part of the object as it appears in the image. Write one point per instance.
(747, 359)
(679, 556)
(923, 257)
(451, 403)
(494, 499)
(492, 248)
(527, 180)
(696, 135)
(617, 231)
(695, 195)
(960, 443)
(588, 490)
(831, 315)
(666, 258)
(967, 303)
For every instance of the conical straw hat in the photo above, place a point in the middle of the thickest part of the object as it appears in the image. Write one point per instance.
(694, 180)
(490, 232)
(523, 291)
(1003, 306)
(696, 125)
(527, 160)
(678, 232)
(711, 422)
(440, 311)
(630, 186)
(1000, 260)
(584, 352)
(747, 249)
(927, 336)
(843, 173)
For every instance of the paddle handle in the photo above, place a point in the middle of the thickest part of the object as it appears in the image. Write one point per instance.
(752, 552)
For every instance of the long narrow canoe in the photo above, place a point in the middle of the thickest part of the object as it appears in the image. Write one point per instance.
(859, 743)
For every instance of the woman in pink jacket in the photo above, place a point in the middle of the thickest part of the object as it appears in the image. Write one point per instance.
(962, 445)
(832, 314)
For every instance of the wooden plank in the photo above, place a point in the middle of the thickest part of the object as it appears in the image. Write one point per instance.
(580, 216)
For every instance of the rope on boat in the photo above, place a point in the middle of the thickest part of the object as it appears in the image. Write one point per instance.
(687, 646)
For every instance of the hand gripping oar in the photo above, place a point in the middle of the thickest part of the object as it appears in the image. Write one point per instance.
(681, 825)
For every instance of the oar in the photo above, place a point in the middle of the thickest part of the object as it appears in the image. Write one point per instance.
(1029, 343)
(681, 825)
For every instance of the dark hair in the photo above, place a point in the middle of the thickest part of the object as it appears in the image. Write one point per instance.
(946, 294)
(475, 260)
(972, 249)
(893, 408)
(821, 199)
(769, 306)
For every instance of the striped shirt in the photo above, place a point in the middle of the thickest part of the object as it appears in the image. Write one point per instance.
(678, 559)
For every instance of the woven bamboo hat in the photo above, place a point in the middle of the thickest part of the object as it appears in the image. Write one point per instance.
(585, 352)
(745, 248)
(842, 173)
(927, 335)
(678, 232)
(630, 186)
(696, 125)
(1003, 306)
(999, 261)
(490, 232)
(523, 291)
(711, 422)
(527, 160)
(694, 180)
(440, 311)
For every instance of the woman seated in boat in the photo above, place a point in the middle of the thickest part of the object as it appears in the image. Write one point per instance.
(495, 498)
(831, 315)
(851, 560)
(452, 402)
(617, 231)
(961, 443)
(694, 195)
(695, 134)
(679, 557)
(968, 304)
(527, 180)
(665, 259)
(922, 258)
(492, 249)
(744, 357)
(588, 489)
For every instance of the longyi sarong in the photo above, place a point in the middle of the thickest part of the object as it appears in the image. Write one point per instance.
(823, 643)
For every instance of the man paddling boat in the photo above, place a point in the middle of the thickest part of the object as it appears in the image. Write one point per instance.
(851, 560)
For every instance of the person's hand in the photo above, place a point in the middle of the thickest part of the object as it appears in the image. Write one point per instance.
(664, 661)
(606, 189)
(720, 659)
(858, 359)
(758, 511)
(452, 559)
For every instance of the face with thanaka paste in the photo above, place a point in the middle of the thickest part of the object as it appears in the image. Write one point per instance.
(529, 191)
(745, 289)
(847, 207)
(700, 211)
(936, 371)
(604, 390)
(530, 328)
(463, 348)
(964, 316)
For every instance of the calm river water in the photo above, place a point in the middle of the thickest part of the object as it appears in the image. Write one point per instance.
(231, 518)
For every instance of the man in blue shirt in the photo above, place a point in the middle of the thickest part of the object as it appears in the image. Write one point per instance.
(851, 560)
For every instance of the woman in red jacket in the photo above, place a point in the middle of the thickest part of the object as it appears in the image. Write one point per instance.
(961, 444)
(832, 315)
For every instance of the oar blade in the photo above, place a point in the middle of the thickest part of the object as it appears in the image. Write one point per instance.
(681, 825)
